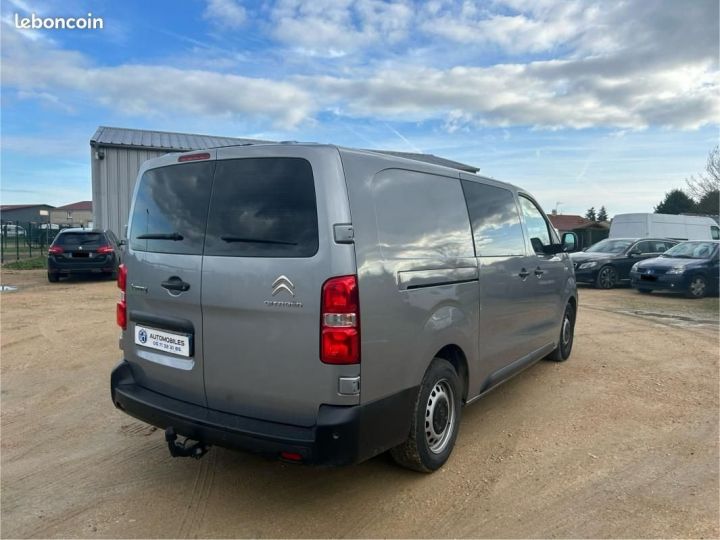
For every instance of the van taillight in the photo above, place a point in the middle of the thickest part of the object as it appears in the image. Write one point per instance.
(104, 250)
(55, 250)
(121, 308)
(340, 321)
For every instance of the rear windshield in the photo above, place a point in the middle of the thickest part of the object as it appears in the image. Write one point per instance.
(170, 211)
(252, 207)
(263, 207)
(80, 239)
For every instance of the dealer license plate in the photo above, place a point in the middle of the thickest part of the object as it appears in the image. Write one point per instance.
(162, 341)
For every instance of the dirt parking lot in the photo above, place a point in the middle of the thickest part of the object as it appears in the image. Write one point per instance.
(621, 440)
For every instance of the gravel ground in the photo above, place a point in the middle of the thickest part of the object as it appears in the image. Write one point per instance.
(620, 441)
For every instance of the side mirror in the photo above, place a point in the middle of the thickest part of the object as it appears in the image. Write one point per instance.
(569, 241)
(122, 242)
(635, 253)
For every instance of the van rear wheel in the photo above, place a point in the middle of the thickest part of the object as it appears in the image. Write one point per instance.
(435, 421)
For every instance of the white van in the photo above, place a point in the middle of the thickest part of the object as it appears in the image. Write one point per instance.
(664, 226)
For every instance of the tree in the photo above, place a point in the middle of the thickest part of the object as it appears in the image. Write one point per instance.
(706, 182)
(676, 201)
(590, 214)
(602, 214)
(709, 203)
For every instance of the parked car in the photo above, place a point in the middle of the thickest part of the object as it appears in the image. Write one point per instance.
(677, 227)
(692, 268)
(340, 308)
(83, 251)
(608, 262)
(11, 231)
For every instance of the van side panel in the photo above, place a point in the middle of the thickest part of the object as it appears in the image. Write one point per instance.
(647, 225)
(416, 269)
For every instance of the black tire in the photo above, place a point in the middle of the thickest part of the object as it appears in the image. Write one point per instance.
(567, 336)
(645, 291)
(439, 403)
(53, 278)
(607, 277)
(698, 287)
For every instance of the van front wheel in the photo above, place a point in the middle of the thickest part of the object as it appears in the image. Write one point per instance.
(567, 335)
(435, 422)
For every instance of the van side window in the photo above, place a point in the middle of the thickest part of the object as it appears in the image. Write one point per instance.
(497, 230)
(170, 209)
(715, 232)
(420, 216)
(263, 207)
(536, 224)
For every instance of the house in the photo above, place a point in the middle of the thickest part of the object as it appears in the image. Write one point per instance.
(79, 214)
(588, 231)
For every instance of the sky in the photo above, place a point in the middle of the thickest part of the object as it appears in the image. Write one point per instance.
(582, 103)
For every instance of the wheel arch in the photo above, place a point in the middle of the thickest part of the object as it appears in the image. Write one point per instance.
(457, 358)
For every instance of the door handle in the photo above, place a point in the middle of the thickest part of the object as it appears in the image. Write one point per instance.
(175, 284)
(539, 271)
(523, 274)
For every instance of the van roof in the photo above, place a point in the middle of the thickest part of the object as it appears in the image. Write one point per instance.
(425, 158)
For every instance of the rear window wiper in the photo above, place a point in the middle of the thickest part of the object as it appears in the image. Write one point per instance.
(231, 239)
(160, 236)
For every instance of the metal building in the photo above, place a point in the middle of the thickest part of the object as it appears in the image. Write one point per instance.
(116, 155)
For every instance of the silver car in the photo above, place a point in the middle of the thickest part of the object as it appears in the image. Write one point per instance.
(324, 305)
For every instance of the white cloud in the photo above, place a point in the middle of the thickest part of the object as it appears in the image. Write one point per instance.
(225, 13)
(151, 90)
(337, 27)
(626, 65)
(532, 28)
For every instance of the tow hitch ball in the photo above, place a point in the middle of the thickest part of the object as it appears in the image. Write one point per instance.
(197, 450)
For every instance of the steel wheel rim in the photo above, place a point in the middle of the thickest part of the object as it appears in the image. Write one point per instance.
(606, 278)
(439, 416)
(697, 286)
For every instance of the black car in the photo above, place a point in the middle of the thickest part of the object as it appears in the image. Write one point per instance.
(692, 268)
(83, 251)
(609, 261)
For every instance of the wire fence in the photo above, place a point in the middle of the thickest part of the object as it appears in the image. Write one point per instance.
(25, 240)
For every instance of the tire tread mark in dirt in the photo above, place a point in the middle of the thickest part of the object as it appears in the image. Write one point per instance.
(194, 512)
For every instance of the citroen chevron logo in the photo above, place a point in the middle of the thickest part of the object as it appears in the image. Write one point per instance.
(282, 283)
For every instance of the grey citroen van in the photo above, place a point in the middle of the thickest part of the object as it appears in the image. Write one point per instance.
(324, 305)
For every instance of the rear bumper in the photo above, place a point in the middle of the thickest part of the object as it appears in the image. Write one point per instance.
(341, 436)
(81, 266)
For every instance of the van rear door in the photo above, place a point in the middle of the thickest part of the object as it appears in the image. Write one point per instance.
(163, 341)
(268, 251)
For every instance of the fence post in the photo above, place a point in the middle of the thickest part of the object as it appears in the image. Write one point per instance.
(29, 239)
(17, 241)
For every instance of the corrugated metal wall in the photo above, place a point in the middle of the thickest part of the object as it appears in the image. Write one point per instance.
(113, 181)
